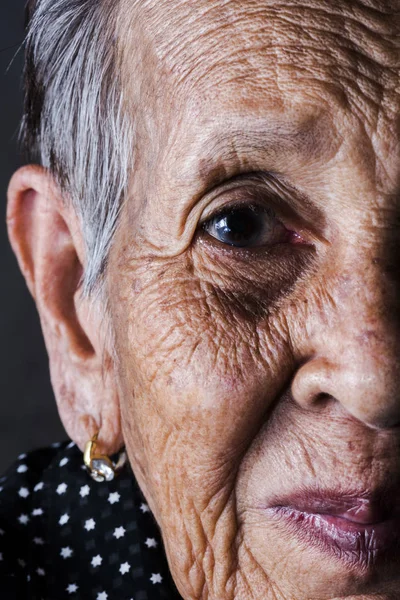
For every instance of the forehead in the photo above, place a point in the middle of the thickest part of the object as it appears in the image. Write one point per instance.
(205, 59)
(207, 42)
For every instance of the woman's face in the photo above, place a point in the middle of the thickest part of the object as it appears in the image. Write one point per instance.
(254, 292)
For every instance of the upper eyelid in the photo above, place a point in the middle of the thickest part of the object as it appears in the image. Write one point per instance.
(232, 206)
(253, 191)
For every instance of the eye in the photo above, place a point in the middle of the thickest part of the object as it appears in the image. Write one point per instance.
(247, 226)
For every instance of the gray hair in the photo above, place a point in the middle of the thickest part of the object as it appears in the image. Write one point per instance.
(74, 122)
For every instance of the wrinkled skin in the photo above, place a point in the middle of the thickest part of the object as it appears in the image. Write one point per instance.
(246, 373)
(243, 374)
(224, 354)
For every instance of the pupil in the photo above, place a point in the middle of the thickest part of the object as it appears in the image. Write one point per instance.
(239, 228)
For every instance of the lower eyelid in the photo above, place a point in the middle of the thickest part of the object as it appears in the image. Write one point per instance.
(256, 257)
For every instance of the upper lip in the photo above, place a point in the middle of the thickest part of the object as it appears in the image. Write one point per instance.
(363, 506)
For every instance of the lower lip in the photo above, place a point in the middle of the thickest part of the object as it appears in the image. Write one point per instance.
(358, 544)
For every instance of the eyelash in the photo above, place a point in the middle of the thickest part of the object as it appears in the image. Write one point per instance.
(230, 208)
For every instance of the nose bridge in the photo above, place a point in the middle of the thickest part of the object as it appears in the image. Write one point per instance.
(366, 300)
(355, 345)
(362, 304)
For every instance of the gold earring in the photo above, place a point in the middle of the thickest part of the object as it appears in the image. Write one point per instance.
(101, 467)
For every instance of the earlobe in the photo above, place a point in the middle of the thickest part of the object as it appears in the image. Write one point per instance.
(46, 238)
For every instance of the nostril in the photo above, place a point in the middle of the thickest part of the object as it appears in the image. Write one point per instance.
(311, 386)
(319, 403)
(323, 398)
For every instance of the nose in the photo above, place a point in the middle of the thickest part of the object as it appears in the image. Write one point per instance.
(354, 345)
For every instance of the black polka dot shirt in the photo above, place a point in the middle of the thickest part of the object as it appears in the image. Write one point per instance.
(64, 536)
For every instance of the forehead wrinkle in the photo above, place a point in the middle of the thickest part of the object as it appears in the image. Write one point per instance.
(368, 29)
(358, 69)
(350, 48)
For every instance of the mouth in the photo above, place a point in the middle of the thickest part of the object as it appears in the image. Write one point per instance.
(361, 530)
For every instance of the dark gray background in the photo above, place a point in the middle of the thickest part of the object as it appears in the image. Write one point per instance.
(28, 415)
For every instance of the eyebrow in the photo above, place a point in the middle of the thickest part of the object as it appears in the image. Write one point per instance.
(223, 143)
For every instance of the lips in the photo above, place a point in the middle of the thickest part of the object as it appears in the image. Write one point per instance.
(361, 529)
(365, 508)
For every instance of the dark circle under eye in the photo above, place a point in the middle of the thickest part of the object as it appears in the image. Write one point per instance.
(242, 226)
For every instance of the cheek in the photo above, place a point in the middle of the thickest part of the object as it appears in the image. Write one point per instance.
(200, 364)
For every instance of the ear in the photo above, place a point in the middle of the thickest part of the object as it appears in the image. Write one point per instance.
(46, 237)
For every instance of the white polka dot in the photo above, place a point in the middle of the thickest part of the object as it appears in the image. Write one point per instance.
(38, 486)
(66, 552)
(96, 561)
(72, 588)
(114, 497)
(23, 492)
(119, 532)
(40, 572)
(64, 519)
(23, 519)
(102, 596)
(90, 524)
(61, 489)
(124, 568)
(22, 469)
(37, 512)
(63, 462)
(84, 491)
(22, 456)
(156, 578)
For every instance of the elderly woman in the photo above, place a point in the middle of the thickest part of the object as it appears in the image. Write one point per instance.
(209, 228)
